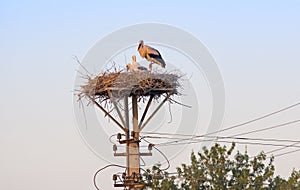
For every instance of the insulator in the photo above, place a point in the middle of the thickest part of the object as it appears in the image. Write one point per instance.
(115, 148)
(115, 177)
(123, 175)
(119, 136)
(133, 174)
(132, 134)
(150, 147)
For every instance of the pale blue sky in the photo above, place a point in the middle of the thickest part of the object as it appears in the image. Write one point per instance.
(254, 43)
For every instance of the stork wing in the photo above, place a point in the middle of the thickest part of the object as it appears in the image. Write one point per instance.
(151, 50)
(142, 68)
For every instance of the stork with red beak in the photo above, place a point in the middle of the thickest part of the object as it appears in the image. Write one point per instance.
(151, 55)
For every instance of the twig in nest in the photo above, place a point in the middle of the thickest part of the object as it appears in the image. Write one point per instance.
(77, 60)
(171, 100)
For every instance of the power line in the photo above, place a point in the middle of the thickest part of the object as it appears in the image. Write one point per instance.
(237, 142)
(257, 119)
(278, 149)
(192, 139)
(230, 137)
(254, 131)
(161, 154)
(268, 128)
(95, 175)
(282, 146)
(241, 140)
(244, 123)
(285, 153)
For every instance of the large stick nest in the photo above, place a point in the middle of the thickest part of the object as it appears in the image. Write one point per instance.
(120, 84)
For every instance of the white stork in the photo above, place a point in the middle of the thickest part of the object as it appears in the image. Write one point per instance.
(135, 66)
(151, 55)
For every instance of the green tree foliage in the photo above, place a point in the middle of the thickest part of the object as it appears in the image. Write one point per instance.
(217, 168)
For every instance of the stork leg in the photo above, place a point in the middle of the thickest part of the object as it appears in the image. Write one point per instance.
(150, 66)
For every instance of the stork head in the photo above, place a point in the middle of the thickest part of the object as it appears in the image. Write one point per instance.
(141, 43)
(133, 58)
(128, 66)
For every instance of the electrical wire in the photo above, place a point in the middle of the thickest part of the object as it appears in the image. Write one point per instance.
(164, 157)
(95, 175)
(161, 154)
(201, 136)
(110, 165)
(268, 128)
(282, 146)
(231, 137)
(257, 119)
(110, 138)
(279, 149)
(222, 130)
(144, 163)
(237, 142)
(234, 137)
(287, 146)
(244, 123)
(285, 153)
(212, 138)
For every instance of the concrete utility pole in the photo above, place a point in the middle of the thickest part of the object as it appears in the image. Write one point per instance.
(132, 177)
(134, 149)
(133, 174)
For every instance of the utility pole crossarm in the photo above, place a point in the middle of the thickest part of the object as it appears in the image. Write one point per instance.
(146, 110)
(108, 114)
(155, 111)
(116, 107)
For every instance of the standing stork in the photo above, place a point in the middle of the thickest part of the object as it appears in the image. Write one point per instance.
(151, 55)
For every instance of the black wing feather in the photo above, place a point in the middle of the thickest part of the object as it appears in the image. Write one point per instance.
(155, 56)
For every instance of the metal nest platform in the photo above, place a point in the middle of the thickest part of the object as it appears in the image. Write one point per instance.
(120, 84)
